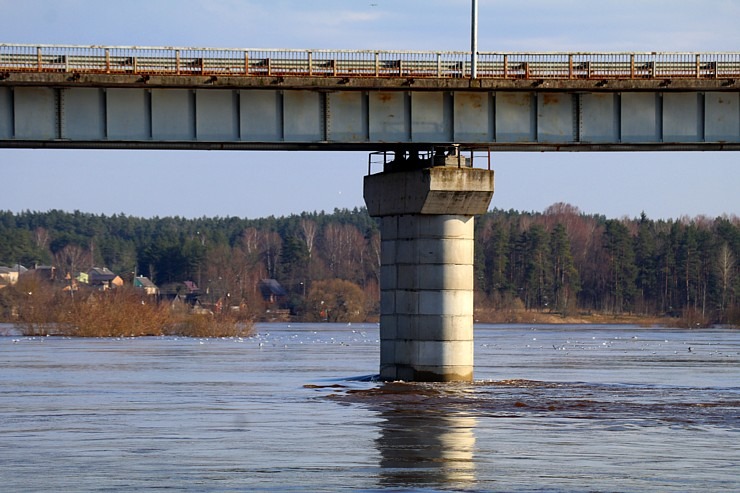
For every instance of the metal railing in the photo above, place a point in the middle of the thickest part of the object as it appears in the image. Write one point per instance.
(363, 63)
(450, 156)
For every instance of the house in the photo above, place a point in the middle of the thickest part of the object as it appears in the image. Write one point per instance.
(272, 292)
(192, 288)
(42, 272)
(103, 278)
(186, 292)
(71, 284)
(192, 292)
(5, 274)
(9, 275)
(148, 286)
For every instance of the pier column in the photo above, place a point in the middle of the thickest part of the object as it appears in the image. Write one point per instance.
(426, 279)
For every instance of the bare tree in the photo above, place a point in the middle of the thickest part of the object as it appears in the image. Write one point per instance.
(726, 268)
(309, 230)
(562, 213)
(73, 258)
(270, 246)
(41, 238)
(373, 260)
(336, 300)
(344, 247)
(250, 241)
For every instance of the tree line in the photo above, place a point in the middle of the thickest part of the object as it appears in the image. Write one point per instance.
(563, 260)
(559, 260)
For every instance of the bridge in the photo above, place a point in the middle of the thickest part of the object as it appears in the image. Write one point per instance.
(127, 97)
(423, 114)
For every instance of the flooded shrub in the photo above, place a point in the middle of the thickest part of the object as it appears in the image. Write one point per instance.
(211, 325)
(32, 303)
(122, 312)
(693, 318)
(114, 313)
(335, 300)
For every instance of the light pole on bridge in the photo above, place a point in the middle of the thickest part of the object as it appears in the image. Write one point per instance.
(474, 41)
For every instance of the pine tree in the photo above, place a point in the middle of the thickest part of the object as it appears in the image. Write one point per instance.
(622, 269)
(538, 273)
(646, 262)
(566, 283)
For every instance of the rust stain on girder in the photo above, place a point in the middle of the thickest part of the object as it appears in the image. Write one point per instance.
(549, 98)
(16, 78)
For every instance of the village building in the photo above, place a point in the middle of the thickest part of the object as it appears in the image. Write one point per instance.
(147, 285)
(10, 275)
(273, 293)
(103, 278)
(42, 273)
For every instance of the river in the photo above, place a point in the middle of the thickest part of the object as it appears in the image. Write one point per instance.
(552, 409)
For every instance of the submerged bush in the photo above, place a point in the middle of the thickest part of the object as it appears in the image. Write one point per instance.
(335, 300)
(210, 325)
(114, 313)
(121, 312)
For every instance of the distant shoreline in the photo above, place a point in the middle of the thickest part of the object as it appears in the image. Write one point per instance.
(537, 317)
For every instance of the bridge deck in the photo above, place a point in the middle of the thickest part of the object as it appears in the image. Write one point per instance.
(66, 96)
(318, 63)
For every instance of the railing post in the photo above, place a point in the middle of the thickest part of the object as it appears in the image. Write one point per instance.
(506, 66)
(698, 66)
(632, 66)
(439, 65)
(177, 62)
(39, 59)
(107, 60)
(310, 63)
(570, 66)
(377, 64)
(246, 63)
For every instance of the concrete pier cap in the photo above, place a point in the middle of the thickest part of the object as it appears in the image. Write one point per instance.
(426, 280)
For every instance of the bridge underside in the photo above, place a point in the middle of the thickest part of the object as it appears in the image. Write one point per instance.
(508, 118)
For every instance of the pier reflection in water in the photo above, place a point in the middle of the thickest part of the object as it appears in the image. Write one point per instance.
(426, 450)
(421, 446)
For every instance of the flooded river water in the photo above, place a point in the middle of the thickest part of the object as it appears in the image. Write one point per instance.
(553, 409)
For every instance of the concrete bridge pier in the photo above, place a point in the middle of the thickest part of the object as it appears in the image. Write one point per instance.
(426, 306)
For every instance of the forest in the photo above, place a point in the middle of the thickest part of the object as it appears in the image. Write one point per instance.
(558, 261)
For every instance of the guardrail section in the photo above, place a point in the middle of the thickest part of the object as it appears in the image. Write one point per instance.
(363, 63)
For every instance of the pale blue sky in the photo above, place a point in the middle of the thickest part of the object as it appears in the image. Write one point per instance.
(256, 184)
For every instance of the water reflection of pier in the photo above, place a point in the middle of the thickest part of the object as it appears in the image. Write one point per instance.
(424, 447)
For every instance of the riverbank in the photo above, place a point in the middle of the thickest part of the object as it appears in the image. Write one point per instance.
(536, 317)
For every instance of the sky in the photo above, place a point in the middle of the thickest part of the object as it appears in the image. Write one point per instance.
(255, 184)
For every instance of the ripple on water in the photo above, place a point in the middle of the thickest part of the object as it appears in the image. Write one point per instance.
(634, 404)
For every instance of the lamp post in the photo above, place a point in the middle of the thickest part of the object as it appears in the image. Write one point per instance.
(474, 41)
